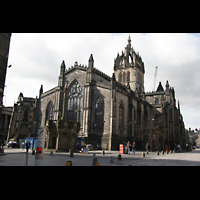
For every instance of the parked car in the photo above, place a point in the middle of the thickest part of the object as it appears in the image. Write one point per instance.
(13, 144)
(90, 147)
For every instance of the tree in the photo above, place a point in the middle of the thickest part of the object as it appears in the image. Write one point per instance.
(152, 132)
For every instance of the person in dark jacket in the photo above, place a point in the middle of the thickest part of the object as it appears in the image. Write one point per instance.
(133, 148)
(27, 146)
(128, 147)
(147, 147)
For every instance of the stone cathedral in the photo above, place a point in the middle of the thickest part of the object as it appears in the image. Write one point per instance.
(112, 110)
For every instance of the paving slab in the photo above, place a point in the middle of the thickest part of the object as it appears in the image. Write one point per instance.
(60, 158)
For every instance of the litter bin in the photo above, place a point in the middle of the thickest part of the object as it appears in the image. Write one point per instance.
(123, 149)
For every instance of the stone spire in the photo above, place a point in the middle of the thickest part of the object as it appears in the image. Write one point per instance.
(91, 62)
(129, 41)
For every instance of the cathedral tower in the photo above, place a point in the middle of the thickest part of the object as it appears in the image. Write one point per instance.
(129, 67)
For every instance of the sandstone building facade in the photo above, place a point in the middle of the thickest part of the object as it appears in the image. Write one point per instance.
(5, 112)
(24, 119)
(113, 110)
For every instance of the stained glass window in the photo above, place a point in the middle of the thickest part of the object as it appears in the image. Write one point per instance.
(75, 103)
(99, 114)
(50, 111)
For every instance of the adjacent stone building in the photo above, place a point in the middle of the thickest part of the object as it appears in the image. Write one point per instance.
(24, 120)
(111, 110)
(4, 123)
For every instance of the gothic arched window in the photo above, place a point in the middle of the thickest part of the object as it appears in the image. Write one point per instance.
(128, 76)
(99, 115)
(121, 118)
(75, 103)
(120, 77)
(124, 77)
(26, 113)
(50, 111)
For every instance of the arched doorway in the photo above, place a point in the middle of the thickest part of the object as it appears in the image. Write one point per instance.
(52, 140)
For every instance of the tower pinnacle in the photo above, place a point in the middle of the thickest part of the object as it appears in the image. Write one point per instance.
(129, 40)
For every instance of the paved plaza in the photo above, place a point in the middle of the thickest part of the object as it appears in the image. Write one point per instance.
(191, 158)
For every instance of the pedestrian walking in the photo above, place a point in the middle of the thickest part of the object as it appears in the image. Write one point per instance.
(133, 148)
(27, 146)
(147, 147)
(179, 148)
(128, 147)
(175, 147)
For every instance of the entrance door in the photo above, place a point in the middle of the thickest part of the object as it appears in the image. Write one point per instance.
(53, 142)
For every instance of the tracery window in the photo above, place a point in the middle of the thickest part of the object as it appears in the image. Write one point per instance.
(99, 114)
(50, 111)
(75, 103)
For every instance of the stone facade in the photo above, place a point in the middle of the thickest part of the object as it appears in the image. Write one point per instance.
(24, 120)
(112, 110)
(4, 122)
(4, 52)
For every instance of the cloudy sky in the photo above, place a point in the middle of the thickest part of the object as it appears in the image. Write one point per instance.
(36, 60)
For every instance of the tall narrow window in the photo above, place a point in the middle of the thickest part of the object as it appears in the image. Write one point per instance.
(75, 103)
(124, 77)
(26, 114)
(50, 111)
(128, 76)
(121, 118)
(120, 77)
(99, 115)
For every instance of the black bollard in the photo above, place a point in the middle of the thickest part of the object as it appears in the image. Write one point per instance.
(119, 157)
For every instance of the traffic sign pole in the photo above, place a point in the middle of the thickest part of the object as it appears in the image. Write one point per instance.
(40, 147)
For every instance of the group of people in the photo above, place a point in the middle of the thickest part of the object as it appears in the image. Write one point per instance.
(128, 146)
(178, 148)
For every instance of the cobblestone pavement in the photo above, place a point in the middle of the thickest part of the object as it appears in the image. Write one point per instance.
(59, 159)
